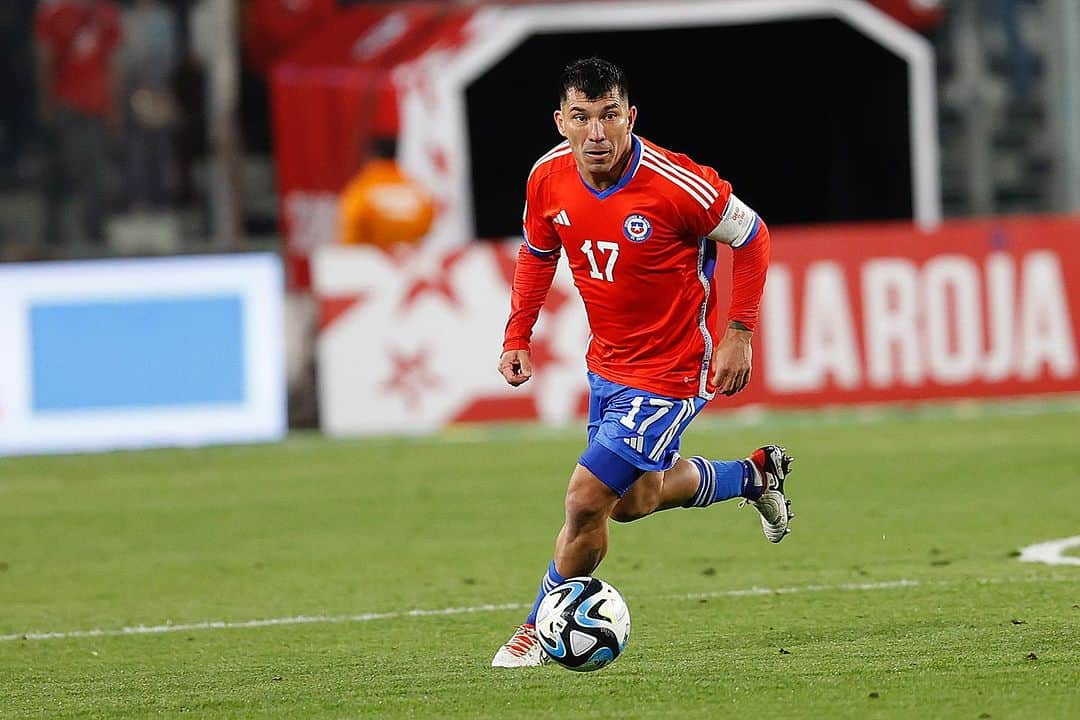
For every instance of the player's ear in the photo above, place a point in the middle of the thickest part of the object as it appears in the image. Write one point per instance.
(633, 117)
(559, 123)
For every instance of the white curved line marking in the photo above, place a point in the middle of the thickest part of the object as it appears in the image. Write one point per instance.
(368, 617)
(1052, 553)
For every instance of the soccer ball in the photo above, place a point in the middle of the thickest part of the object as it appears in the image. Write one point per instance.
(583, 624)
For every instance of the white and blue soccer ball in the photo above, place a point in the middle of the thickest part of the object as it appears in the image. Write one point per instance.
(583, 624)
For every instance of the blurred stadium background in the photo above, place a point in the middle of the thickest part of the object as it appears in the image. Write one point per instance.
(174, 273)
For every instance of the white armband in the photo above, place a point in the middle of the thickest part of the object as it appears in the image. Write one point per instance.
(737, 225)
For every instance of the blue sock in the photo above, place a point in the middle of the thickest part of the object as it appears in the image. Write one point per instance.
(721, 480)
(551, 579)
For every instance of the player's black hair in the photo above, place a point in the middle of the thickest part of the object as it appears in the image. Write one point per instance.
(595, 77)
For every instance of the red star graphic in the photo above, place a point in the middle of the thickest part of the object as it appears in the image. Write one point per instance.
(541, 353)
(440, 284)
(332, 307)
(505, 260)
(410, 377)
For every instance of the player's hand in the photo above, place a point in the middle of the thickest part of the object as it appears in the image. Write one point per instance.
(516, 366)
(732, 361)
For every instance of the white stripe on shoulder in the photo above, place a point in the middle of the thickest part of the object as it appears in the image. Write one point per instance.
(647, 162)
(696, 180)
(701, 183)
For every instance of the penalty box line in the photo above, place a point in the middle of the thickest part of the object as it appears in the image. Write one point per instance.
(369, 617)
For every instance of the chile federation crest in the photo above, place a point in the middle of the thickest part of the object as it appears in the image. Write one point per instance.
(637, 228)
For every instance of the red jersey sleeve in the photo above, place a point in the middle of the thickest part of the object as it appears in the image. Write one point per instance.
(537, 260)
(537, 227)
(750, 265)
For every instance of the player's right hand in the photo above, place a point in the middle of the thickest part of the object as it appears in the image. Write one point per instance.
(516, 366)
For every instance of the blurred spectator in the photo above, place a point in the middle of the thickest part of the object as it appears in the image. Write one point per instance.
(148, 60)
(1022, 61)
(382, 206)
(189, 89)
(16, 84)
(75, 44)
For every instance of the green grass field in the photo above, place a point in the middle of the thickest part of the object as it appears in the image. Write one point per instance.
(898, 594)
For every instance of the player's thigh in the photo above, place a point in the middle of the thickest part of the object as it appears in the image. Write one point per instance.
(641, 499)
(589, 499)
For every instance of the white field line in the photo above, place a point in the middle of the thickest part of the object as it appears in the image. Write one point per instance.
(269, 622)
(368, 617)
(1052, 553)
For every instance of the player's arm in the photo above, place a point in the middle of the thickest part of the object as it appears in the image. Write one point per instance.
(746, 233)
(713, 211)
(537, 261)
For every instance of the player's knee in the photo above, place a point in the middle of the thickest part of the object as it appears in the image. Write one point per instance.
(588, 505)
(584, 510)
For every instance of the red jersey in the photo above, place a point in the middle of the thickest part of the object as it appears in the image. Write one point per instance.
(640, 260)
(81, 39)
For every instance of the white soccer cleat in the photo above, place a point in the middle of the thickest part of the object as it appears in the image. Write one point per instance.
(773, 464)
(521, 650)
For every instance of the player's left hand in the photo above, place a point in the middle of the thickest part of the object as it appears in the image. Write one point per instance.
(732, 362)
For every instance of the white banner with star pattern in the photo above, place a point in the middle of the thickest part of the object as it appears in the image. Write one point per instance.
(852, 314)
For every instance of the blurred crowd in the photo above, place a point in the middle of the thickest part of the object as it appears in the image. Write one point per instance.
(103, 117)
(105, 126)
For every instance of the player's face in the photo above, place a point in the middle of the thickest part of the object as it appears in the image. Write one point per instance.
(598, 130)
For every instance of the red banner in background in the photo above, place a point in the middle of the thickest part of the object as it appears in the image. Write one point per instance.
(330, 96)
(852, 314)
(859, 314)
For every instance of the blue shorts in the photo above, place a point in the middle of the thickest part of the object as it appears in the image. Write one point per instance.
(633, 432)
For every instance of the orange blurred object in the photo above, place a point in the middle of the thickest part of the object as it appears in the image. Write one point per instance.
(382, 206)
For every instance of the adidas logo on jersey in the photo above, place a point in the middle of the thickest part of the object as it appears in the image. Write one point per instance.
(562, 219)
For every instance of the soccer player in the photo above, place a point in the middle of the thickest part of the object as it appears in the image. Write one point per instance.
(640, 227)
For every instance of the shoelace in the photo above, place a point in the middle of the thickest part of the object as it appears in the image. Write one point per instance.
(522, 641)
